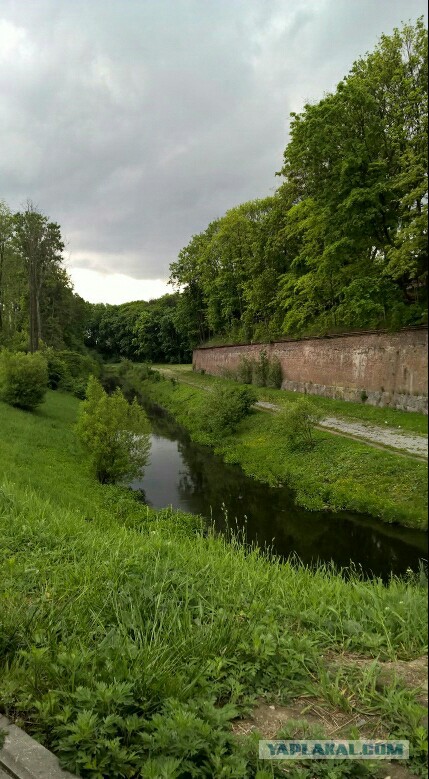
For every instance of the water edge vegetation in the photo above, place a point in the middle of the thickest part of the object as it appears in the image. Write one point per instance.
(336, 473)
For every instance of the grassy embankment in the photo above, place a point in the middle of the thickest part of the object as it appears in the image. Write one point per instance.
(129, 639)
(407, 422)
(338, 473)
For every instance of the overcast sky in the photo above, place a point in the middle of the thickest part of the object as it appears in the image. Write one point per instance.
(134, 123)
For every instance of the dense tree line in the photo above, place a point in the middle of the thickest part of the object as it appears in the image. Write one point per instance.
(37, 302)
(343, 242)
(155, 331)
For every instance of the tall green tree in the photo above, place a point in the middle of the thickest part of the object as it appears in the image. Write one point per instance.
(40, 246)
(6, 234)
(356, 172)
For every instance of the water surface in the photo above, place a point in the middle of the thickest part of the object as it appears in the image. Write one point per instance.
(190, 477)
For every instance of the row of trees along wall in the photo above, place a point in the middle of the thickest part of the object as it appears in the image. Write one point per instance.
(386, 369)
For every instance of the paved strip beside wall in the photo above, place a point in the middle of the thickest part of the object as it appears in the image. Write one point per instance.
(384, 369)
(24, 758)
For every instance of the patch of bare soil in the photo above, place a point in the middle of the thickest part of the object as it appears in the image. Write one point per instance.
(333, 723)
(317, 716)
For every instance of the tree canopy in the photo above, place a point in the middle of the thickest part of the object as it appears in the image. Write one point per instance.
(343, 241)
(37, 302)
(154, 331)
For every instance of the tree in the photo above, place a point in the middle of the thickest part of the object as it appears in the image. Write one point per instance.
(343, 242)
(6, 233)
(115, 432)
(356, 170)
(39, 242)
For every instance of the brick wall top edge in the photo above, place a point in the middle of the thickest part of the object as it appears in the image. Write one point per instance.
(328, 336)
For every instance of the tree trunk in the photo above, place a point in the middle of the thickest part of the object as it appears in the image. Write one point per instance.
(34, 319)
(2, 253)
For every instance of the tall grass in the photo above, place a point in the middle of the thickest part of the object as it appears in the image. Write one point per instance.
(128, 639)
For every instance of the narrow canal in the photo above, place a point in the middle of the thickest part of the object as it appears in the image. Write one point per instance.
(190, 477)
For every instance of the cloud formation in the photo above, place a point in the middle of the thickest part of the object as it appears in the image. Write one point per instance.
(133, 123)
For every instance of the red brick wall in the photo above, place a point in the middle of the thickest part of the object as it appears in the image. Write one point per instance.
(391, 368)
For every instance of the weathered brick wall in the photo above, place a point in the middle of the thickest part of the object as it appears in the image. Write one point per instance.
(390, 368)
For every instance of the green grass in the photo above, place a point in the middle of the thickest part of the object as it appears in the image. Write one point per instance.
(338, 473)
(128, 639)
(41, 451)
(409, 422)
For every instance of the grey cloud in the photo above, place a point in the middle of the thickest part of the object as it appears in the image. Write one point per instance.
(136, 122)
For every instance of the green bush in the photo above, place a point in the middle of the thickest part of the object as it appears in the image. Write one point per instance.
(79, 389)
(299, 423)
(80, 366)
(23, 379)
(275, 374)
(58, 373)
(115, 432)
(226, 407)
(260, 371)
(245, 370)
(143, 372)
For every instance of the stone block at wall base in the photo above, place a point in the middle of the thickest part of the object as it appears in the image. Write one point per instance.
(402, 402)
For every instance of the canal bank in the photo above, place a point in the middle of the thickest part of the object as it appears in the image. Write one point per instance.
(191, 478)
(337, 474)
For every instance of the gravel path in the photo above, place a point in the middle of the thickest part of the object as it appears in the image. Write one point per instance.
(413, 444)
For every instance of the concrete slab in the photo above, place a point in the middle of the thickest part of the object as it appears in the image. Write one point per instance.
(24, 758)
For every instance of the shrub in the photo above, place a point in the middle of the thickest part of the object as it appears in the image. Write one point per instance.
(245, 370)
(142, 372)
(260, 371)
(226, 407)
(115, 432)
(300, 421)
(23, 379)
(275, 374)
(124, 367)
(57, 371)
(80, 366)
(79, 389)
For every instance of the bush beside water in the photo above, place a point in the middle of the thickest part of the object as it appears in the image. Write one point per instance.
(225, 408)
(115, 432)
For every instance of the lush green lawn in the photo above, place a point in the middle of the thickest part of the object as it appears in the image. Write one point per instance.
(129, 639)
(338, 473)
(384, 417)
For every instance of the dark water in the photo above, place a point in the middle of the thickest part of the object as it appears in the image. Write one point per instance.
(190, 477)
